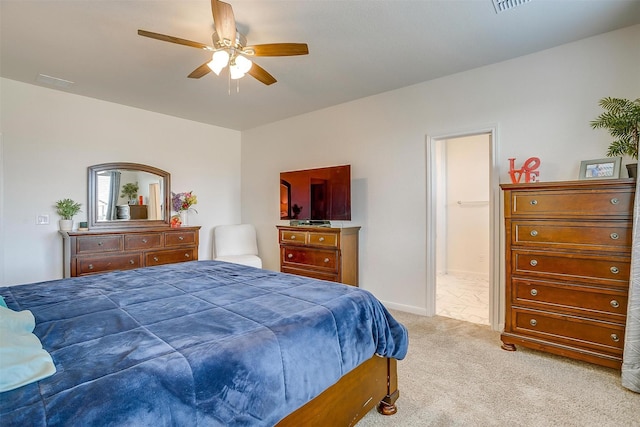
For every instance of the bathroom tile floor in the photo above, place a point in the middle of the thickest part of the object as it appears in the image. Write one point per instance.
(463, 297)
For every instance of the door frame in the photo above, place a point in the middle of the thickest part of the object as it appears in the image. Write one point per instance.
(496, 288)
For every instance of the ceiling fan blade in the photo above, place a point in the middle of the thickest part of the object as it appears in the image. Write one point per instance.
(279, 49)
(224, 21)
(260, 74)
(202, 70)
(176, 40)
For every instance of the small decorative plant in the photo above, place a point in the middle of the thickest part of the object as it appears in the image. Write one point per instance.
(130, 191)
(622, 119)
(67, 208)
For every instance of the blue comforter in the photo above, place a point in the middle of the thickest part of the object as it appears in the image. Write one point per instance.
(200, 343)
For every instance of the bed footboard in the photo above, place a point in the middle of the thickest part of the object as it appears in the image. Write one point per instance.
(373, 383)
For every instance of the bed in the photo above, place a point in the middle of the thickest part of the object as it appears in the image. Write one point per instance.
(206, 343)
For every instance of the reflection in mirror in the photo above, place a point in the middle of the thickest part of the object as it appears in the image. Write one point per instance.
(128, 195)
(114, 204)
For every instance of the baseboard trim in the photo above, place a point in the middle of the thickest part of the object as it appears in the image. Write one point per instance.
(406, 308)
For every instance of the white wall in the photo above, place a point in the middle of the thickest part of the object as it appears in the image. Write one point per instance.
(51, 137)
(541, 105)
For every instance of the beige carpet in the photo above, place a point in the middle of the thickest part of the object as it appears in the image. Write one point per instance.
(456, 374)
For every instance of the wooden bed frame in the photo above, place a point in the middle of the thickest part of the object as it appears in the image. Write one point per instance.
(347, 401)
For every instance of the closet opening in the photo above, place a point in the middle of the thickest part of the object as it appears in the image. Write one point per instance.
(463, 279)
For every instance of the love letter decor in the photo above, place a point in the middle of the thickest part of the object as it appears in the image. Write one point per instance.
(529, 169)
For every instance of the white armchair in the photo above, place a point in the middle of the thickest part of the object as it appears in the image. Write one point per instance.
(237, 244)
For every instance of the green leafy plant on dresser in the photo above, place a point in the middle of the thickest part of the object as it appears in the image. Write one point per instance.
(67, 209)
(622, 119)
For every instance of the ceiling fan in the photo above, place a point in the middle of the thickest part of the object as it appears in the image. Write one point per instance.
(230, 48)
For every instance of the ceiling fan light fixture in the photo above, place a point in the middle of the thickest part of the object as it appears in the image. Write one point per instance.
(235, 72)
(239, 66)
(219, 60)
(244, 64)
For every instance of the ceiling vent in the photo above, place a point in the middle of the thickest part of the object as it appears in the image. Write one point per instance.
(502, 5)
(53, 81)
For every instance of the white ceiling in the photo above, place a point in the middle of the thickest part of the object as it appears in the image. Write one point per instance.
(357, 48)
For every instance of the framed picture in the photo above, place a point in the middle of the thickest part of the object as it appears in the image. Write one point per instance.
(608, 168)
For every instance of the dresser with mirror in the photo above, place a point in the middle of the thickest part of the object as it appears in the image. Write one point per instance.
(127, 233)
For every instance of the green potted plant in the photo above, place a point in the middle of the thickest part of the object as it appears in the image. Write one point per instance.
(622, 119)
(67, 208)
(130, 191)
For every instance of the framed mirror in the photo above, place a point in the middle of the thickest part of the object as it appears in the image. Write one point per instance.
(128, 195)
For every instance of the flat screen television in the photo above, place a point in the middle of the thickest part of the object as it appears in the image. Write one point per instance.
(316, 196)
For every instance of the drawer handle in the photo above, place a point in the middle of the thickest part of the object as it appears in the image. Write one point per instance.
(180, 237)
(131, 262)
(533, 262)
(290, 256)
(534, 233)
(614, 303)
(615, 270)
(615, 201)
(90, 266)
(533, 202)
(326, 260)
(100, 243)
(293, 237)
(615, 337)
(614, 236)
(321, 239)
(534, 292)
(155, 258)
(144, 240)
(187, 255)
(533, 322)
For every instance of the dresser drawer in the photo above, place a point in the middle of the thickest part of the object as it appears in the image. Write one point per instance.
(89, 244)
(170, 257)
(606, 269)
(323, 239)
(323, 259)
(605, 303)
(321, 275)
(600, 236)
(296, 237)
(142, 241)
(92, 265)
(569, 330)
(573, 203)
(179, 238)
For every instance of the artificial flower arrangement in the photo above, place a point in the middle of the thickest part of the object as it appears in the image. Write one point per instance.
(183, 201)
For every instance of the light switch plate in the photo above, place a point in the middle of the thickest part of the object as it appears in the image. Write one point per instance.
(42, 219)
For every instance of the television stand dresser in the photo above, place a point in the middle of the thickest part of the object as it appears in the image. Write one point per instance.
(568, 258)
(324, 253)
(91, 252)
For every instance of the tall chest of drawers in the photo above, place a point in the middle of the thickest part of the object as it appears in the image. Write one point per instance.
(91, 252)
(568, 250)
(320, 252)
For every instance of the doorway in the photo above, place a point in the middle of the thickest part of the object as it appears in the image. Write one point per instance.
(461, 215)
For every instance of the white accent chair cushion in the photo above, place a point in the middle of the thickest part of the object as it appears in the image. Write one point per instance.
(237, 244)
